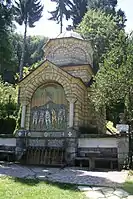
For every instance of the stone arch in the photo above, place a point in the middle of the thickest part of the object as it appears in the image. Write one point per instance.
(52, 49)
(60, 51)
(47, 85)
(79, 53)
(59, 55)
(49, 108)
(47, 77)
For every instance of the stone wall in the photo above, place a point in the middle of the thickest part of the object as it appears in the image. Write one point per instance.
(121, 143)
(66, 51)
(74, 89)
(123, 150)
(97, 142)
(8, 142)
(82, 71)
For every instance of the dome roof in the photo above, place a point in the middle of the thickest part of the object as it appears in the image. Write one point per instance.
(68, 34)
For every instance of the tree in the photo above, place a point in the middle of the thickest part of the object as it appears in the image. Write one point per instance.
(6, 62)
(113, 85)
(78, 11)
(80, 8)
(33, 49)
(8, 99)
(27, 12)
(63, 8)
(120, 19)
(109, 7)
(101, 30)
(8, 108)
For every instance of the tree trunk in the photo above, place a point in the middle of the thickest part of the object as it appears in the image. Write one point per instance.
(23, 53)
(61, 21)
(61, 26)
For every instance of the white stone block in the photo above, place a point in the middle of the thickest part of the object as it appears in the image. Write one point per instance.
(94, 195)
(121, 193)
(84, 188)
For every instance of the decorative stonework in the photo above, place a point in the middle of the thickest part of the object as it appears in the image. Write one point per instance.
(48, 117)
(69, 51)
(54, 96)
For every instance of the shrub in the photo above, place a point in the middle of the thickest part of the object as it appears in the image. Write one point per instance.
(7, 125)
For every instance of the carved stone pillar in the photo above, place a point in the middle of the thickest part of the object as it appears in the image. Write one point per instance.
(24, 103)
(71, 111)
(23, 115)
(71, 147)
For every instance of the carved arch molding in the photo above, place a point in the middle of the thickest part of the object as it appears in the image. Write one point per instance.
(44, 77)
(65, 52)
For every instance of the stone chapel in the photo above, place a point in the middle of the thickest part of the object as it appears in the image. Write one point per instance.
(54, 97)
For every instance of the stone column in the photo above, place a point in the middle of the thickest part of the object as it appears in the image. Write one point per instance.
(71, 140)
(23, 115)
(71, 111)
(123, 150)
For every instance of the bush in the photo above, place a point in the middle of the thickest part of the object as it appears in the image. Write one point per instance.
(7, 125)
(88, 130)
(8, 107)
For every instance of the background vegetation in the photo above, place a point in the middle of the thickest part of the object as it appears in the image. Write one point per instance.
(97, 21)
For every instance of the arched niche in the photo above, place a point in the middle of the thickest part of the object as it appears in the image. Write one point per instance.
(79, 54)
(49, 108)
(59, 55)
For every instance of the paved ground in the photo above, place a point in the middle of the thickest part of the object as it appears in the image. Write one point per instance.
(66, 175)
(107, 181)
(104, 193)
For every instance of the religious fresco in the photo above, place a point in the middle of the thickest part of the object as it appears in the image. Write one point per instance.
(48, 109)
(48, 93)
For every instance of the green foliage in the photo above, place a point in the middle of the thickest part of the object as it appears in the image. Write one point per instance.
(113, 56)
(6, 61)
(26, 12)
(8, 108)
(80, 7)
(7, 125)
(114, 82)
(101, 30)
(27, 69)
(78, 11)
(33, 49)
(109, 8)
(17, 188)
(88, 130)
(63, 8)
(8, 100)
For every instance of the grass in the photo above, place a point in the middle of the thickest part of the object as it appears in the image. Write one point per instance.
(14, 188)
(128, 185)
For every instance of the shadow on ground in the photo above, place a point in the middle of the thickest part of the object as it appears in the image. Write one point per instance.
(69, 177)
(35, 182)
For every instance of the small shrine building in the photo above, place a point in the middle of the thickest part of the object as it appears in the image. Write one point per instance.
(54, 97)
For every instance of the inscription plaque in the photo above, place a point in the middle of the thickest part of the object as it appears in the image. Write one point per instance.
(37, 142)
(54, 134)
(46, 143)
(55, 143)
